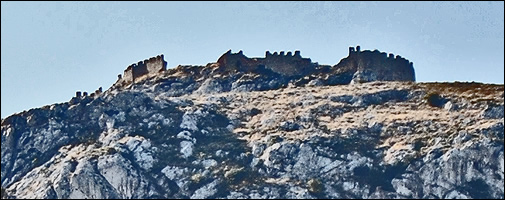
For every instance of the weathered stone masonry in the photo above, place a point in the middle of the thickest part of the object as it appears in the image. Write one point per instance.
(151, 66)
(285, 64)
(365, 65)
(377, 66)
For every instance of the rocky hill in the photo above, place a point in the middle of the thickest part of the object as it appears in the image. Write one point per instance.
(274, 127)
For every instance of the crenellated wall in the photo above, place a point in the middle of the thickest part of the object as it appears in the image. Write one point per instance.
(288, 64)
(375, 65)
(359, 66)
(156, 64)
(150, 67)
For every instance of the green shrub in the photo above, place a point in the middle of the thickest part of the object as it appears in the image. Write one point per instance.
(435, 100)
(111, 151)
(315, 186)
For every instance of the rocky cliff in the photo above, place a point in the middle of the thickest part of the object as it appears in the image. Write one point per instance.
(221, 131)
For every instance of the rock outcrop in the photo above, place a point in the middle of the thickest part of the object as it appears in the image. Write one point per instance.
(255, 131)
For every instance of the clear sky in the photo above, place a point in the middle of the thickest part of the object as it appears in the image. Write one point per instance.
(52, 49)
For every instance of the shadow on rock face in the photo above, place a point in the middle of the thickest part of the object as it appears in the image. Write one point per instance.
(435, 100)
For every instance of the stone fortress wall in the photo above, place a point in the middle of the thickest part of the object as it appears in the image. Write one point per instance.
(150, 67)
(371, 65)
(377, 66)
(383, 55)
(358, 67)
(286, 64)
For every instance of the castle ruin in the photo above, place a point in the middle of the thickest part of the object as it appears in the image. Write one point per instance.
(372, 65)
(386, 67)
(382, 65)
(80, 96)
(358, 67)
(148, 67)
(288, 64)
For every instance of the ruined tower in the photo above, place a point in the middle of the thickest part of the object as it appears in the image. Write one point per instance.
(351, 50)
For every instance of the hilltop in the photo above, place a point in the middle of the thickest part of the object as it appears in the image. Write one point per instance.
(280, 126)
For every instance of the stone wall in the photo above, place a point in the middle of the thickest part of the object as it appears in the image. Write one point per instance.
(236, 61)
(156, 64)
(128, 74)
(377, 66)
(288, 64)
(150, 67)
(139, 69)
(359, 66)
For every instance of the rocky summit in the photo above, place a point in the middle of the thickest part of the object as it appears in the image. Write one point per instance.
(280, 126)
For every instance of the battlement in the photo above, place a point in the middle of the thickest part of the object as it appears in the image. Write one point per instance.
(83, 95)
(150, 67)
(281, 62)
(395, 67)
(289, 54)
(353, 51)
(377, 53)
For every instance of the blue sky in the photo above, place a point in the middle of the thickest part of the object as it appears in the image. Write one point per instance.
(49, 50)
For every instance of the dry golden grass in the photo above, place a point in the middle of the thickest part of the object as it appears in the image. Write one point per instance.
(472, 91)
